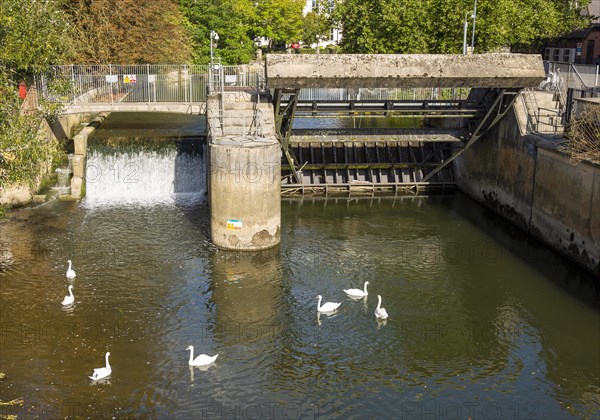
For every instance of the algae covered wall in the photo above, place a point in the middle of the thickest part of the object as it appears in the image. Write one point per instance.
(531, 184)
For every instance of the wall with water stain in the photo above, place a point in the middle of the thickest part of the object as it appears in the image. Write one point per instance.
(525, 179)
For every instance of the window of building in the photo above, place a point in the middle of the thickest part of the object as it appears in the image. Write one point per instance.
(568, 55)
(547, 54)
(556, 54)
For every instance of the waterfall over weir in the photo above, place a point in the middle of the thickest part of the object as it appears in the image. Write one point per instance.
(144, 177)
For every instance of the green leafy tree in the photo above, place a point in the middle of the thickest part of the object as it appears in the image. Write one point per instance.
(315, 26)
(129, 31)
(232, 20)
(34, 34)
(279, 20)
(436, 26)
(23, 152)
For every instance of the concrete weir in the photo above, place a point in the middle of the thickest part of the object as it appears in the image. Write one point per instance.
(244, 174)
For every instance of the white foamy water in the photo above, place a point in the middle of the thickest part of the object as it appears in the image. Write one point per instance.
(144, 177)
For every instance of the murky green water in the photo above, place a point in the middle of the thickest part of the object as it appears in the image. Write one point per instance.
(480, 322)
(483, 322)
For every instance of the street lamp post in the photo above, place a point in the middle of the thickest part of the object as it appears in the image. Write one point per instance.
(473, 34)
(215, 36)
(465, 34)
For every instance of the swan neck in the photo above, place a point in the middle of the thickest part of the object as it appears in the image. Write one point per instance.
(191, 354)
(379, 302)
(71, 291)
(107, 365)
(69, 265)
(366, 284)
(319, 303)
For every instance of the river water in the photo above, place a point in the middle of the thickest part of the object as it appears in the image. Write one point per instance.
(482, 321)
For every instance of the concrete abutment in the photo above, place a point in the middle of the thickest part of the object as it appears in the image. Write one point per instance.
(529, 182)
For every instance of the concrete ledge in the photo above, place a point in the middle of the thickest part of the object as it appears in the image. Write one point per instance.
(391, 70)
(178, 108)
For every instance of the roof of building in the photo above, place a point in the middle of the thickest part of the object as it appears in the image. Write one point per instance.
(582, 33)
(593, 9)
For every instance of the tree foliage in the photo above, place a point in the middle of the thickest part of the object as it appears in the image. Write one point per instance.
(437, 26)
(22, 150)
(232, 20)
(280, 20)
(315, 26)
(129, 31)
(34, 34)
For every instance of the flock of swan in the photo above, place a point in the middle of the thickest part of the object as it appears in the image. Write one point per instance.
(104, 372)
(329, 307)
(203, 359)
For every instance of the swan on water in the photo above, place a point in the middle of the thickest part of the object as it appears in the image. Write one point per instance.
(70, 272)
(201, 360)
(380, 312)
(101, 373)
(68, 300)
(357, 292)
(327, 306)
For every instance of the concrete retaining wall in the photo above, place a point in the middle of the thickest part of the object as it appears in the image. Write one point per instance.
(531, 184)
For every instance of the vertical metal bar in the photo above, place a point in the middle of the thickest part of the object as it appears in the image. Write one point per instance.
(73, 82)
(111, 85)
(191, 91)
(597, 71)
(185, 99)
(148, 81)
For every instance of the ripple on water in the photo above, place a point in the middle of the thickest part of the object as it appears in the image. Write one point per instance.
(149, 283)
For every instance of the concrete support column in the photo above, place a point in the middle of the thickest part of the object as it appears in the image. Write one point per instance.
(245, 193)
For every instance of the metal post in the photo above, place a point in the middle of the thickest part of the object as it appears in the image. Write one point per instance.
(597, 71)
(148, 81)
(473, 35)
(465, 35)
(73, 81)
(111, 85)
(185, 98)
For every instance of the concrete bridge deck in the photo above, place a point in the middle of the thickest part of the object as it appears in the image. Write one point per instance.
(415, 70)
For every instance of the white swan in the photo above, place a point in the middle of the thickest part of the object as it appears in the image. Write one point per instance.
(101, 373)
(70, 272)
(202, 359)
(357, 292)
(327, 306)
(69, 299)
(380, 312)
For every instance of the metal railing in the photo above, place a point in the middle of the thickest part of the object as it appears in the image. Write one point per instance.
(540, 119)
(382, 94)
(145, 83)
(572, 76)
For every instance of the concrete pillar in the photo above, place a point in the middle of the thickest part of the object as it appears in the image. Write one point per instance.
(245, 193)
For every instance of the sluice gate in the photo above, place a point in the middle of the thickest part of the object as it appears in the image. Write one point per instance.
(371, 165)
(445, 103)
(409, 155)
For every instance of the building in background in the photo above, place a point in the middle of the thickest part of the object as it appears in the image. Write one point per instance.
(335, 35)
(579, 47)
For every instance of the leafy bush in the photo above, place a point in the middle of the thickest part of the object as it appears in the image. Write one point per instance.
(23, 151)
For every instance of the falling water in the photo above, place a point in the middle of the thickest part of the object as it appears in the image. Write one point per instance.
(144, 176)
